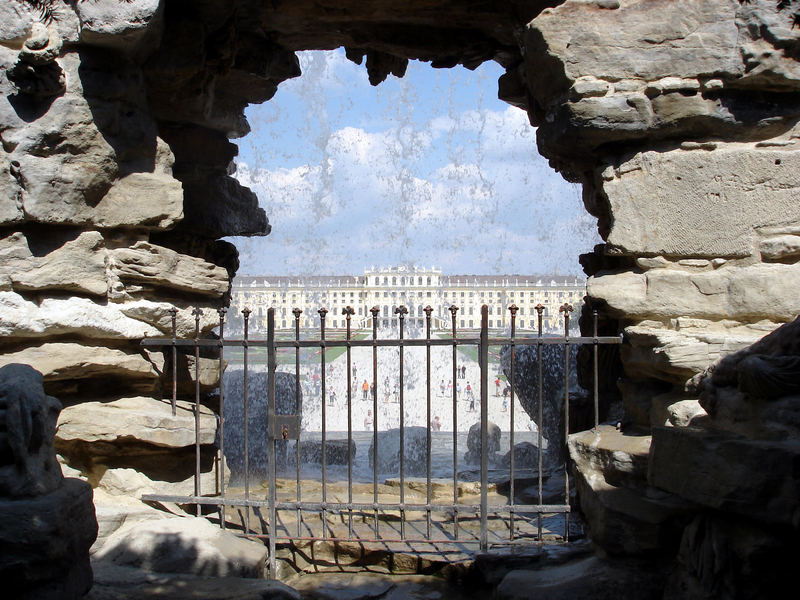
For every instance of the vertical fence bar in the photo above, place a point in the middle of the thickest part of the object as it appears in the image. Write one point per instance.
(566, 309)
(174, 317)
(540, 413)
(298, 410)
(401, 311)
(428, 310)
(272, 364)
(221, 461)
(513, 309)
(484, 369)
(322, 312)
(246, 313)
(596, 374)
(453, 310)
(349, 312)
(197, 312)
(375, 312)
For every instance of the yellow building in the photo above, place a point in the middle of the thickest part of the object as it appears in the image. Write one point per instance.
(413, 287)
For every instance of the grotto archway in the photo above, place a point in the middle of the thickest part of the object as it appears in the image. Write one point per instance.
(679, 118)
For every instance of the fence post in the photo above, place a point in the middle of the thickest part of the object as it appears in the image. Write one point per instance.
(271, 368)
(483, 357)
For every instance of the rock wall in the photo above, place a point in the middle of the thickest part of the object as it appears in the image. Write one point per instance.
(679, 117)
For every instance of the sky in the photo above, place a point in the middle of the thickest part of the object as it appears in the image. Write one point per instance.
(429, 170)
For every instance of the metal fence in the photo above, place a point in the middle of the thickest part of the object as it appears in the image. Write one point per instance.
(434, 521)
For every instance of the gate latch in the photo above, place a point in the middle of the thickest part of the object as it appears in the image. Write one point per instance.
(284, 427)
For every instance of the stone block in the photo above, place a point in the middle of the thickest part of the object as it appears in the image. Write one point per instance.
(726, 472)
(108, 24)
(154, 266)
(693, 196)
(139, 418)
(55, 262)
(620, 458)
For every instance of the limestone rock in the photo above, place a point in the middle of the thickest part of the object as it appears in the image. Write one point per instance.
(60, 361)
(676, 356)
(144, 419)
(221, 206)
(36, 264)
(29, 466)
(750, 293)
(780, 247)
(184, 545)
(708, 467)
(44, 543)
(116, 511)
(623, 515)
(141, 200)
(121, 27)
(676, 410)
(155, 266)
(112, 582)
(130, 483)
(526, 456)
(695, 195)
(69, 316)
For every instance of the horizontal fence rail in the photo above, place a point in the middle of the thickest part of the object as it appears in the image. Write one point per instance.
(524, 522)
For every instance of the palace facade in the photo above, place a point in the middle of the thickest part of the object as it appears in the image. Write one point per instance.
(412, 287)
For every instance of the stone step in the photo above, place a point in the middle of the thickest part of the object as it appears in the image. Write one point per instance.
(620, 457)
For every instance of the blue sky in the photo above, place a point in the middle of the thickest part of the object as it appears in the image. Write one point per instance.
(430, 169)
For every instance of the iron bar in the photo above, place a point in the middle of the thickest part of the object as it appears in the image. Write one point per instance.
(221, 461)
(174, 317)
(298, 410)
(349, 312)
(453, 310)
(401, 311)
(428, 310)
(462, 341)
(245, 350)
(272, 364)
(322, 312)
(375, 312)
(197, 313)
(484, 370)
(540, 412)
(513, 309)
(566, 309)
(596, 374)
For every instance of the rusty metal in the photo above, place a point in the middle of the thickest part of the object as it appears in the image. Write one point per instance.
(595, 374)
(246, 314)
(284, 427)
(539, 312)
(566, 309)
(513, 310)
(453, 310)
(349, 312)
(220, 474)
(375, 312)
(174, 318)
(197, 314)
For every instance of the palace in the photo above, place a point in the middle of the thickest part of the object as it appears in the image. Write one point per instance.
(412, 287)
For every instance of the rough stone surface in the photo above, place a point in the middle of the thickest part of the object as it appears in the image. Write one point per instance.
(416, 448)
(184, 545)
(142, 419)
(473, 454)
(726, 472)
(695, 195)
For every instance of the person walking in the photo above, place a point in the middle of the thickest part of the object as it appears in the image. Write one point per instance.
(441, 388)
(463, 371)
(436, 425)
(332, 398)
(365, 390)
(497, 387)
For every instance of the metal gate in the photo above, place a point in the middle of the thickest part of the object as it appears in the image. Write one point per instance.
(370, 517)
